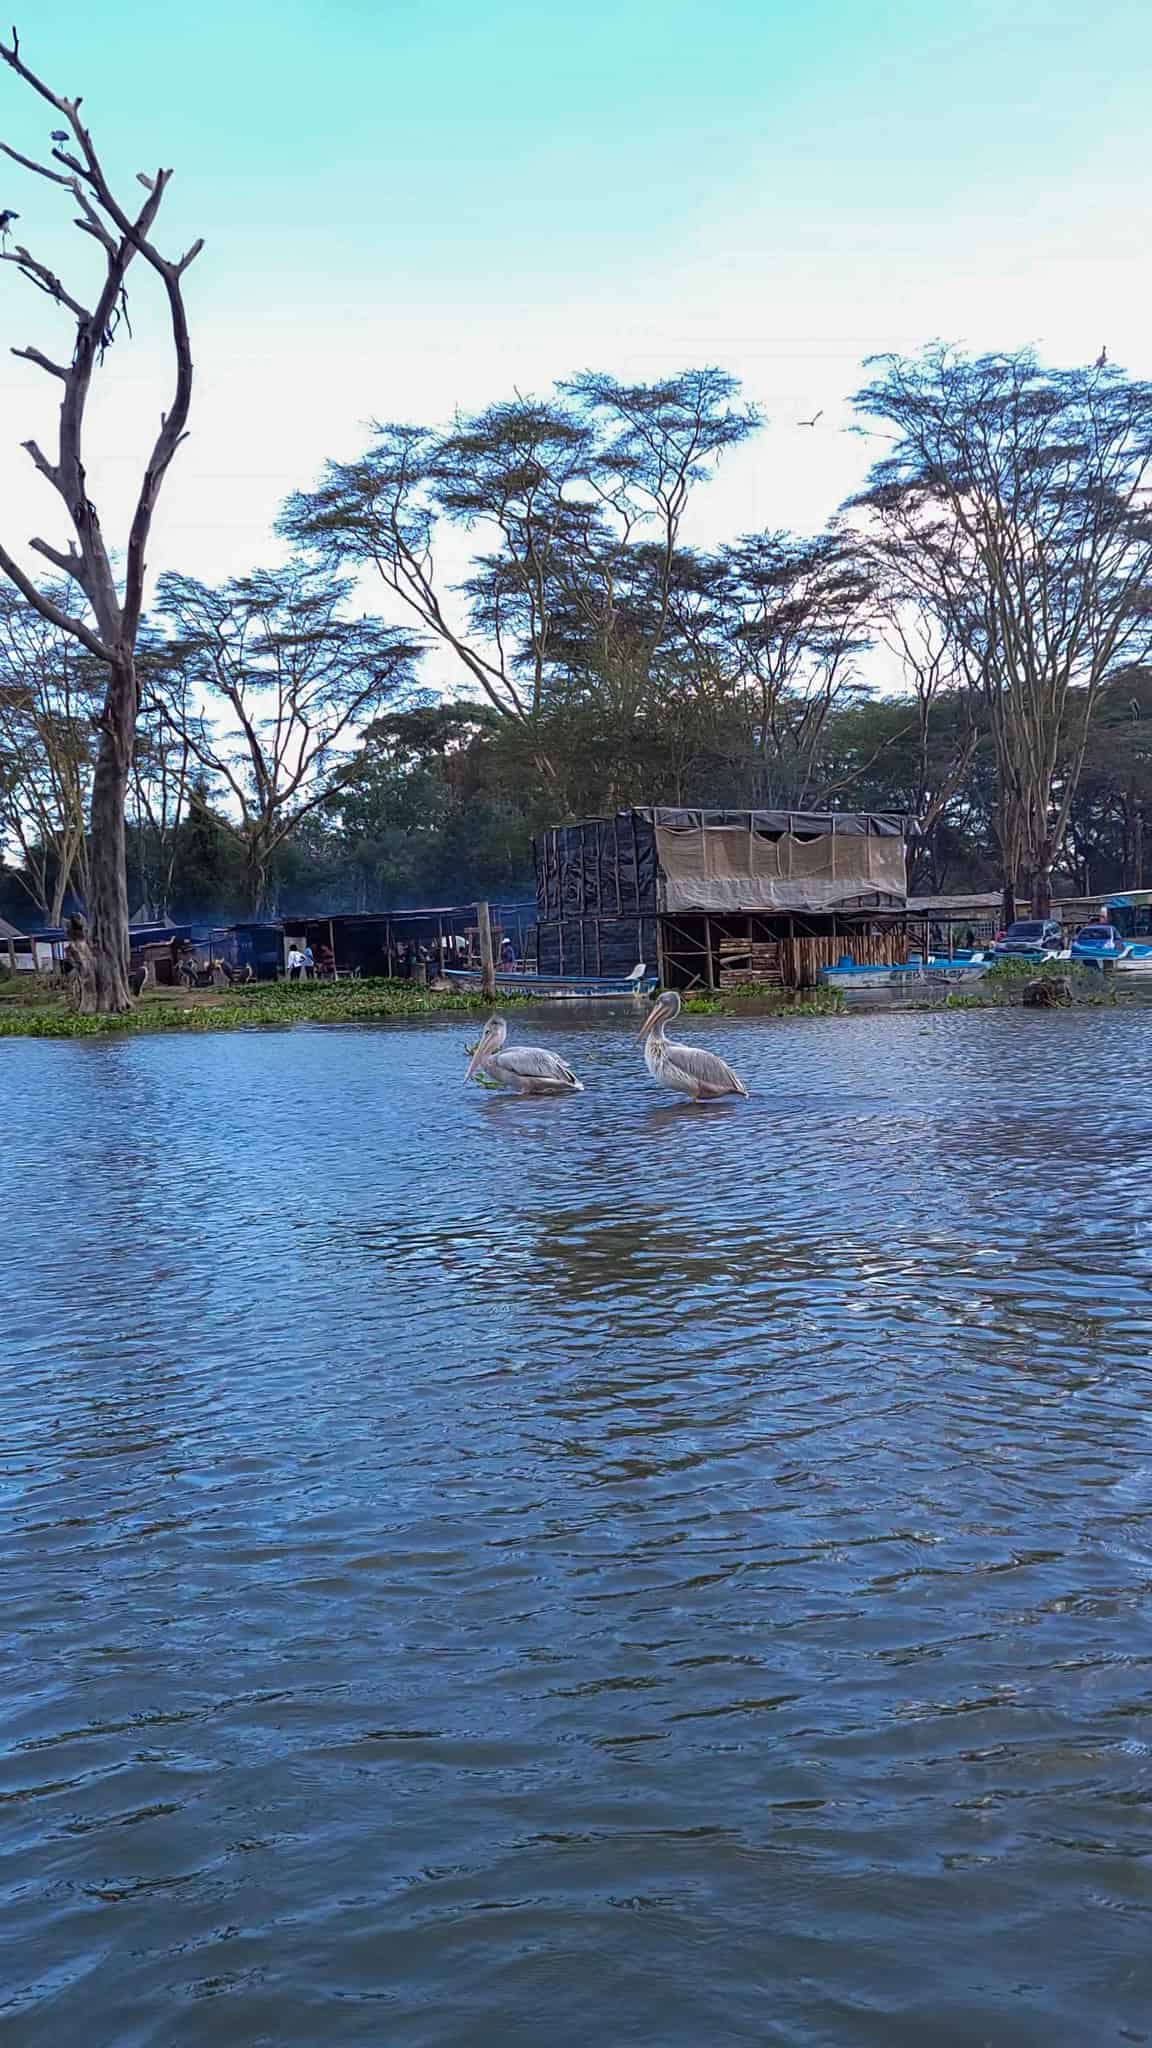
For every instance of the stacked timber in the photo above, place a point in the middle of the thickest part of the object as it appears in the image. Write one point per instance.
(744, 962)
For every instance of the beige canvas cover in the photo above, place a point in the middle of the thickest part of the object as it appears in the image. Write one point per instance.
(731, 867)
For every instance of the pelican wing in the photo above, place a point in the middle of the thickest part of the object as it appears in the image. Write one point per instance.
(532, 1063)
(706, 1068)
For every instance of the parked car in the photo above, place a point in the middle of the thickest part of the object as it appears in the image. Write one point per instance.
(1030, 938)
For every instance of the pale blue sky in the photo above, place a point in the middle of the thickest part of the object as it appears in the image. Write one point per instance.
(412, 207)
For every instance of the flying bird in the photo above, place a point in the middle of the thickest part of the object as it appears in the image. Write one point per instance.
(526, 1068)
(61, 135)
(812, 422)
(688, 1068)
(1101, 360)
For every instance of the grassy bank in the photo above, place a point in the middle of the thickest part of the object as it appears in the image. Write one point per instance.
(43, 1013)
(1006, 982)
(33, 1014)
(767, 1002)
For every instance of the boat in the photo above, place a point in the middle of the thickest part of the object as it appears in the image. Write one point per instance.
(849, 976)
(1101, 945)
(551, 988)
(957, 971)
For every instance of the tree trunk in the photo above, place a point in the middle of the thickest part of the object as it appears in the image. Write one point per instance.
(256, 882)
(1007, 902)
(106, 991)
(56, 907)
(1041, 890)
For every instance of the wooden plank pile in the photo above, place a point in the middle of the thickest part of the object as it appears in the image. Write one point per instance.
(744, 961)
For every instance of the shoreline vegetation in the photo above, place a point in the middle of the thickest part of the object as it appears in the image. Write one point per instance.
(44, 1012)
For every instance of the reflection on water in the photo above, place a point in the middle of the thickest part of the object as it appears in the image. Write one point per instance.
(484, 1571)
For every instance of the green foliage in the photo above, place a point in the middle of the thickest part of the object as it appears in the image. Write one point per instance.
(277, 1004)
(768, 1002)
(590, 657)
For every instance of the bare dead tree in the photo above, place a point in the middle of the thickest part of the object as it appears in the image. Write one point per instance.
(113, 608)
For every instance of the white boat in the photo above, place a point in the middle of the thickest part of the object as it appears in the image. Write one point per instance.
(1137, 961)
(848, 976)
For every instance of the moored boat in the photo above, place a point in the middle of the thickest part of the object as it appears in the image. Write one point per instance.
(1101, 945)
(582, 988)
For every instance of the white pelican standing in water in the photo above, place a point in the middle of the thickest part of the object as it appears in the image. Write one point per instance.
(527, 1068)
(688, 1068)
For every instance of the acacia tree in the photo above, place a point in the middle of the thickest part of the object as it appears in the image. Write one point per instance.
(795, 615)
(1015, 501)
(559, 495)
(295, 680)
(932, 671)
(47, 696)
(108, 621)
(164, 767)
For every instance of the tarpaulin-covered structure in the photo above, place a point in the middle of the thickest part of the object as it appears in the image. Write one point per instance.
(712, 895)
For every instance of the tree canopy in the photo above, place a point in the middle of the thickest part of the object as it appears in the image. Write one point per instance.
(967, 641)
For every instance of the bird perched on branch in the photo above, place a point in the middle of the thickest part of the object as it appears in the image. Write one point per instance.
(6, 219)
(1101, 360)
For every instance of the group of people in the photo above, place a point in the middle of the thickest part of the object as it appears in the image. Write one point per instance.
(421, 963)
(305, 965)
(191, 969)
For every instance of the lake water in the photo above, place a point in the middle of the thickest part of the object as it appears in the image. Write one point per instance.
(601, 1571)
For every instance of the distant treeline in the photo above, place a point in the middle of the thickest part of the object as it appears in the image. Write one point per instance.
(968, 642)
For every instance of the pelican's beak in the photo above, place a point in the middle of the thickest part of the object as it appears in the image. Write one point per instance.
(483, 1045)
(654, 1013)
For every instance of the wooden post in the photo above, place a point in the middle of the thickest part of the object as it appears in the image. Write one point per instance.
(487, 964)
(708, 951)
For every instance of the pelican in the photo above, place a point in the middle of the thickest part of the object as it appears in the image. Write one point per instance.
(527, 1068)
(702, 1075)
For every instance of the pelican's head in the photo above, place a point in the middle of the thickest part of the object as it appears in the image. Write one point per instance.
(490, 1040)
(663, 1010)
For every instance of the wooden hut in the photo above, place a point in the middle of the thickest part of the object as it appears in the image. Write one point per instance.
(716, 898)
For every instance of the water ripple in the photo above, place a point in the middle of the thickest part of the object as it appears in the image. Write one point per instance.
(479, 1569)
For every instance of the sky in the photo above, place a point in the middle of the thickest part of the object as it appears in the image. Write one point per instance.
(416, 206)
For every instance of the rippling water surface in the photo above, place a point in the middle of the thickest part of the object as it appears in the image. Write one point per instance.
(601, 1571)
